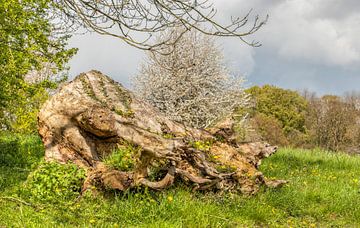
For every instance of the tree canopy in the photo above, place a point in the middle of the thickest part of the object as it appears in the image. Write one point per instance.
(27, 42)
(287, 106)
(191, 84)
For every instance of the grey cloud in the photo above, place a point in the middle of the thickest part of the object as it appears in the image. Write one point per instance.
(109, 55)
(335, 9)
(306, 44)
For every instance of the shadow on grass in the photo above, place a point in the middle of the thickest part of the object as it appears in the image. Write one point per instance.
(18, 154)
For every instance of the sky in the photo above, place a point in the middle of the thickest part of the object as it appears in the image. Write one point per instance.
(306, 44)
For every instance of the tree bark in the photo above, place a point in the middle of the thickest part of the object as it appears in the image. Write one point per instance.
(92, 116)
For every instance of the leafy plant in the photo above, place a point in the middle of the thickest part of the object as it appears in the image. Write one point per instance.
(53, 182)
(123, 158)
(28, 45)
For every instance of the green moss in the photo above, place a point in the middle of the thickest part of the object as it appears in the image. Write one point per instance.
(127, 114)
(123, 95)
(225, 169)
(88, 89)
(168, 135)
(103, 89)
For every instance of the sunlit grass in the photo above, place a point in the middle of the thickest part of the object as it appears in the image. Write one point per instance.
(323, 191)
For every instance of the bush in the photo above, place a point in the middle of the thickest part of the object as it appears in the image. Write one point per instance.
(333, 123)
(286, 106)
(53, 182)
(191, 84)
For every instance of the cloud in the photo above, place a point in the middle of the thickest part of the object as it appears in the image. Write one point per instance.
(306, 44)
(109, 55)
(317, 31)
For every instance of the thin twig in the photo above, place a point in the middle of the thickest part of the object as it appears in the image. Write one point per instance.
(19, 201)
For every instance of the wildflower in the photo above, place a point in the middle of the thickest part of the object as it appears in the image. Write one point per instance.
(170, 198)
(92, 221)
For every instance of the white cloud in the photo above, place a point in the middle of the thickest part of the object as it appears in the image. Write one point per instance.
(317, 31)
(304, 42)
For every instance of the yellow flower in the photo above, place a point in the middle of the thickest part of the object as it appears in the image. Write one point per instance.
(216, 157)
(170, 198)
(92, 221)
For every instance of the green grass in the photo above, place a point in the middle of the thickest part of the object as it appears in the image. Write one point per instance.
(323, 191)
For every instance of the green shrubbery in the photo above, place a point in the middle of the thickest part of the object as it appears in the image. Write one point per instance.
(52, 182)
(287, 106)
(286, 118)
(278, 114)
(31, 57)
(21, 158)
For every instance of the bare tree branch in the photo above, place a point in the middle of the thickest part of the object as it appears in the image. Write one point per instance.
(136, 21)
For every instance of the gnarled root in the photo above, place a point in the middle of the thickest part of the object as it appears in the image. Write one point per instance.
(92, 116)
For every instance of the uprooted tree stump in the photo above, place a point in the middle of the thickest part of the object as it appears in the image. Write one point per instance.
(93, 116)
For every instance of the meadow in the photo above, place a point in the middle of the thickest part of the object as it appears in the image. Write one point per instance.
(323, 191)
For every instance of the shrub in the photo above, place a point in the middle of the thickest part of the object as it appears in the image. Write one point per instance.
(53, 182)
(333, 123)
(191, 84)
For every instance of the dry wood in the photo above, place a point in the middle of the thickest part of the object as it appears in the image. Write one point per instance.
(93, 115)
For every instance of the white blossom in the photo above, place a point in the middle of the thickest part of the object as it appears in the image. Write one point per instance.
(191, 84)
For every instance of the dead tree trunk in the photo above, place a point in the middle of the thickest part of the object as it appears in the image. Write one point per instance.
(92, 116)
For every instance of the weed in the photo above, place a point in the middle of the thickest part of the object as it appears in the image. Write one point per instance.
(123, 158)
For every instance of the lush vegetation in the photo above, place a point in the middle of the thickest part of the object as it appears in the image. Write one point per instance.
(323, 191)
(286, 106)
(285, 117)
(28, 44)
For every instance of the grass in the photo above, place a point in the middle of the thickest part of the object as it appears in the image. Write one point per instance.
(323, 192)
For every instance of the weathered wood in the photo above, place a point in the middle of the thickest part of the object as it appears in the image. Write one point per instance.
(93, 115)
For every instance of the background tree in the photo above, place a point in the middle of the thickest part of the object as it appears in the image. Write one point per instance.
(27, 42)
(279, 107)
(333, 123)
(268, 128)
(287, 106)
(191, 84)
(136, 21)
